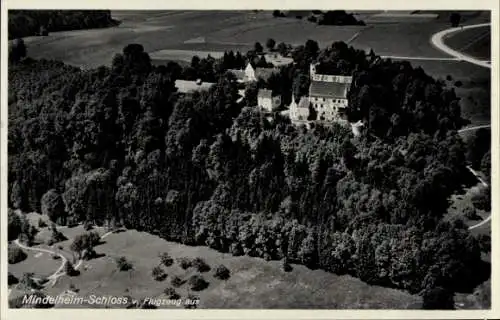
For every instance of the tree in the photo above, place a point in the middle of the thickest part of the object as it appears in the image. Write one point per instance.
(200, 265)
(222, 272)
(69, 269)
(16, 255)
(285, 265)
(17, 50)
(197, 283)
(455, 19)
(158, 274)
(177, 281)
(166, 259)
(438, 299)
(486, 165)
(53, 206)
(482, 199)
(270, 43)
(184, 263)
(282, 49)
(258, 47)
(171, 293)
(12, 280)
(123, 264)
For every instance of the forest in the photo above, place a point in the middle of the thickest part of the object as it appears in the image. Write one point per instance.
(23, 23)
(119, 146)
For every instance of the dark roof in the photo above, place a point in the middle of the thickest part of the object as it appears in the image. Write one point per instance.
(264, 73)
(329, 89)
(239, 74)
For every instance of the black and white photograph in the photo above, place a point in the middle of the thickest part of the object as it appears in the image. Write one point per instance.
(331, 159)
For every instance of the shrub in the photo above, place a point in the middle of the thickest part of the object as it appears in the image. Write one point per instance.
(28, 283)
(484, 243)
(171, 293)
(191, 302)
(285, 265)
(73, 288)
(438, 299)
(12, 279)
(177, 281)
(166, 259)
(88, 226)
(458, 84)
(197, 283)
(221, 272)
(200, 265)
(449, 78)
(41, 223)
(312, 19)
(482, 200)
(69, 269)
(56, 257)
(158, 274)
(123, 264)
(236, 249)
(470, 213)
(184, 263)
(56, 237)
(16, 255)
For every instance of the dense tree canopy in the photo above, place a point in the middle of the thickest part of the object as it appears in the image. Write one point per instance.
(23, 23)
(119, 145)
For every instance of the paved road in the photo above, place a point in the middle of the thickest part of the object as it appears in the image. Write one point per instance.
(475, 128)
(438, 41)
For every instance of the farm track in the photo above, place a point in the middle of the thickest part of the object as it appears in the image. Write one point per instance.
(488, 219)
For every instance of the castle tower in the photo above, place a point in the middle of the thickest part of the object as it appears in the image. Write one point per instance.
(312, 70)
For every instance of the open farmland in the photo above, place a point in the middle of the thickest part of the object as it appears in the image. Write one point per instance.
(254, 283)
(473, 42)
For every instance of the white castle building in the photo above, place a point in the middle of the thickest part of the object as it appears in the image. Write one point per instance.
(327, 97)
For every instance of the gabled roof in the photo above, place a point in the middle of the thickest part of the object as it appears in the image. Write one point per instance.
(329, 89)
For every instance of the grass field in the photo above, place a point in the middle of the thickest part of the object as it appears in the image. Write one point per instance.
(474, 42)
(254, 283)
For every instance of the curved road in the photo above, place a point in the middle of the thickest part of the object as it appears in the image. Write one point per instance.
(438, 41)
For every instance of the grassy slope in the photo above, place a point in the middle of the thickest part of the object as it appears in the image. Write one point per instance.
(254, 283)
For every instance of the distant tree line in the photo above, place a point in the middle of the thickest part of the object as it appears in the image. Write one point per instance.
(23, 23)
(119, 145)
(334, 18)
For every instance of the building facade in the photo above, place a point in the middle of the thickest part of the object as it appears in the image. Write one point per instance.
(267, 100)
(328, 95)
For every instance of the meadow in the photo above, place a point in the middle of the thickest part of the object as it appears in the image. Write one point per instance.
(254, 282)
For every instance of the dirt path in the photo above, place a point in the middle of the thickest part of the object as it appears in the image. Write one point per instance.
(59, 272)
(488, 219)
(63, 258)
(438, 41)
